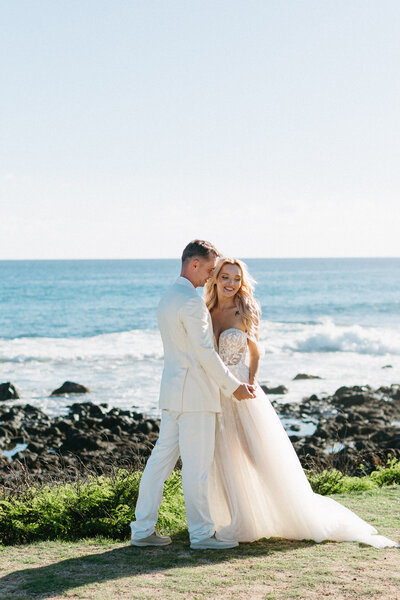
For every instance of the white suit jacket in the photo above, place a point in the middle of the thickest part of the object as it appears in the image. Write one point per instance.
(193, 372)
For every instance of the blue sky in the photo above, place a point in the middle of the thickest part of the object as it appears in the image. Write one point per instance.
(130, 127)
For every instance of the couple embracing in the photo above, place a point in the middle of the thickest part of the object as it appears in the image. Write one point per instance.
(241, 477)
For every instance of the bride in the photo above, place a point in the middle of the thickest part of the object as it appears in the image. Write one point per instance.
(257, 486)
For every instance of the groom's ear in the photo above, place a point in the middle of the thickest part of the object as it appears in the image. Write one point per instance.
(195, 263)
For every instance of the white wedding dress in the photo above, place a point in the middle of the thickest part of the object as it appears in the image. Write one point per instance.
(257, 486)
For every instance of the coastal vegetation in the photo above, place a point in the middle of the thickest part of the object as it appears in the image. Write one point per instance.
(104, 505)
(101, 568)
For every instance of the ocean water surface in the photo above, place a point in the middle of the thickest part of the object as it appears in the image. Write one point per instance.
(94, 322)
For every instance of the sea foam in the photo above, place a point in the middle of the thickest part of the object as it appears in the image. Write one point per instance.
(327, 336)
(126, 346)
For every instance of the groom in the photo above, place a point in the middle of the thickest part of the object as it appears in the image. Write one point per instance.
(189, 398)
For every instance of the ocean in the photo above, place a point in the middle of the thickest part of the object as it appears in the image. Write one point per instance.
(94, 322)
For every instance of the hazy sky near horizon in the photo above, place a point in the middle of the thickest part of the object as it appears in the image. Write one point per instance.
(270, 127)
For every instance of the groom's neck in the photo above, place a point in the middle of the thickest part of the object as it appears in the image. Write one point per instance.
(187, 276)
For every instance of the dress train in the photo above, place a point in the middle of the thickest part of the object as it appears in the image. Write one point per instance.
(257, 486)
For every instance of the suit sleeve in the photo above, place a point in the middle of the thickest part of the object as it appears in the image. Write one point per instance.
(195, 318)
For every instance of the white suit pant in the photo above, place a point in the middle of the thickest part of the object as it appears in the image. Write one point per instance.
(192, 436)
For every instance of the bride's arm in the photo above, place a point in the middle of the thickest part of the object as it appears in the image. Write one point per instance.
(254, 359)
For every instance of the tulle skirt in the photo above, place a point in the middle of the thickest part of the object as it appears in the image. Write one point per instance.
(257, 486)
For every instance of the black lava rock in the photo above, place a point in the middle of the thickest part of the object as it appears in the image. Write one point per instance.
(69, 387)
(280, 389)
(8, 391)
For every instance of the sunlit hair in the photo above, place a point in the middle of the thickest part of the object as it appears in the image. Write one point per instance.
(199, 249)
(247, 305)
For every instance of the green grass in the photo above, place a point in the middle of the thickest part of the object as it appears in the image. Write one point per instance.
(104, 506)
(81, 563)
(101, 568)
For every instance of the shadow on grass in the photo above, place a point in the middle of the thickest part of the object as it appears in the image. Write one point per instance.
(129, 561)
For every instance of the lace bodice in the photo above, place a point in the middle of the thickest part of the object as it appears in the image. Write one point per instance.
(233, 346)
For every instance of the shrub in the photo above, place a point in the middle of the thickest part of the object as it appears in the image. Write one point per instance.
(104, 506)
(100, 506)
(332, 481)
(326, 482)
(389, 474)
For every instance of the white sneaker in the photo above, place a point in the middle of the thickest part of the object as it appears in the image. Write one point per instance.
(154, 539)
(211, 543)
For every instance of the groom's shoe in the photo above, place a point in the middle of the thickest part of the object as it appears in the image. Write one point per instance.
(152, 540)
(211, 543)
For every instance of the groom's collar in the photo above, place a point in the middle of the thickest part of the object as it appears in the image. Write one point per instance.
(184, 281)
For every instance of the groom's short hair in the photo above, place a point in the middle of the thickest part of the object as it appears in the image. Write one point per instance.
(199, 249)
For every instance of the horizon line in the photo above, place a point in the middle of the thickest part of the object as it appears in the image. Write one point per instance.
(178, 258)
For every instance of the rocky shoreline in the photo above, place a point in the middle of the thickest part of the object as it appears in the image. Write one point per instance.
(355, 425)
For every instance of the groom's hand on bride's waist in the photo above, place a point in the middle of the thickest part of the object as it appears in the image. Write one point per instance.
(245, 391)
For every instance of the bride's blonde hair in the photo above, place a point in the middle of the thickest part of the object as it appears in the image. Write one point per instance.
(248, 307)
